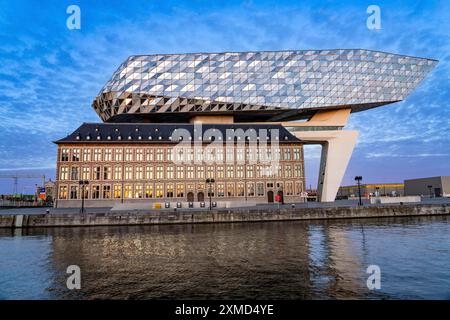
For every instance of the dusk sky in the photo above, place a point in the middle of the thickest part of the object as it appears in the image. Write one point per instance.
(50, 74)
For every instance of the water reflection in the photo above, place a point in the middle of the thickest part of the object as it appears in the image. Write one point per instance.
(277, 260)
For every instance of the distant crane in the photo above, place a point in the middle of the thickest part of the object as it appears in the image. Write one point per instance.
(16, 177)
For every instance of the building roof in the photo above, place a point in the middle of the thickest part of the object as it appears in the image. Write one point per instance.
(256, 86)
(170, 133)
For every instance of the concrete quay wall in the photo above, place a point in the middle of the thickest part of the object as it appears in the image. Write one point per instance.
(218, 216)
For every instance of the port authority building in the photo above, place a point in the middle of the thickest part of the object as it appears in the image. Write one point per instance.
(231, 126)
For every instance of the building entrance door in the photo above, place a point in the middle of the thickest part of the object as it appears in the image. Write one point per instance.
(200, 197)
(270, 196)
(190, 197)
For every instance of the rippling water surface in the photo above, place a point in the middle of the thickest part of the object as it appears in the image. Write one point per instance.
(272, 260)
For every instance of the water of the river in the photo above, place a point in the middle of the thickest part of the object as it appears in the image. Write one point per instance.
(272, 260)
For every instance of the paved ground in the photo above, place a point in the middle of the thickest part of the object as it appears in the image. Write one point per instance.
(338, 203)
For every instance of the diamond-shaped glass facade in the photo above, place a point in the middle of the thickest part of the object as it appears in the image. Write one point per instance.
(265, 85)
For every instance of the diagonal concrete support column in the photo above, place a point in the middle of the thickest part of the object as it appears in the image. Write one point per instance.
(337, 148)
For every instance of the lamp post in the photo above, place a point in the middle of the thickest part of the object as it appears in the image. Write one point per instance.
(430, 187)
(358, 180)
(82, 183)
(210, 182)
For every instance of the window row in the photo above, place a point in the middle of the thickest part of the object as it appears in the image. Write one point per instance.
(148, 172)
(177, 190)
(189, 154)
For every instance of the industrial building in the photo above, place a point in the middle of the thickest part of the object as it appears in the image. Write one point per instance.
(428, 187)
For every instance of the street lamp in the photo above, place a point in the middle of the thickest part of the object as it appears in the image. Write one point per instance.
(210, 182)
(358, 180)
(430, 187)
(82, 183)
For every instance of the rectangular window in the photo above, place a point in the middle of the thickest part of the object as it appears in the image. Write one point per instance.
(250, 189)
(106, 192)
(239, 172)
(106, 173)
(86, 173)
(180, 190)
(128, 173)
(298, 170)
(64, 154)
(139, 174)
(298, 188)
(288, 171)
(128, 193)
(160, 155)
(297, 154)
(220, 173)
(287, 154)
(96, 173)
(230, 190)
(117, 191)
(220, 190)
(117, 173)
(108, 154)
(97, 154)
(230, 171)
(138, 191)
(86, 154)
(200, 172)
(64, 173)
(159, 190)
(180, 172)
(95, 192)
(73, 192)
(74, 173)
(63, 192)
(289, 189)
(169, 172)
(210, 172)
(149, 190)
(128, 154)
(159, 172)
(118, 154)
(169, 190)
(190, 172)
(139, 154)
(148, 154)
(148, 172)
(240, 189)
(169, 154)
(76, 154)
(260, 189)
(249, 171)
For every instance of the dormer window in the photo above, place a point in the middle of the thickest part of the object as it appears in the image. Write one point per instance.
(130, 138)
(119, 137)
(99, 137)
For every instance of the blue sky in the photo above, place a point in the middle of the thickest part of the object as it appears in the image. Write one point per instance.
(49, 74)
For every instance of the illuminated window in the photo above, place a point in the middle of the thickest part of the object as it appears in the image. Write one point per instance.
(239, 172)
(148, 172)
(139, 174)
(65, 155)
(160, 155)
(117, 173)
(138, 191)
(240, 189)
(139, 154)
(159, 190)
(250, 189)
(86, 173)
(118, 155)
(249, 170)
(63, 192)
(288, 171)
(76, 154)
(169, 193)
(128, 154)
(148, 154)
(149, 190)
(128, 172)
(230, 189)
(96, 173)
(180, 190)
(95, 192)
(230, 171)
(190, 172)
(117, 191)
(97, 154)
(106, 192)
(86, 154)
(108, 154)
(200, 172)
(128, 191)
(180, 172)
(210, 172)
(170, 172)
(64, 173)
(298, 170)
(220, 173)
(159, 172)
(220, 190)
